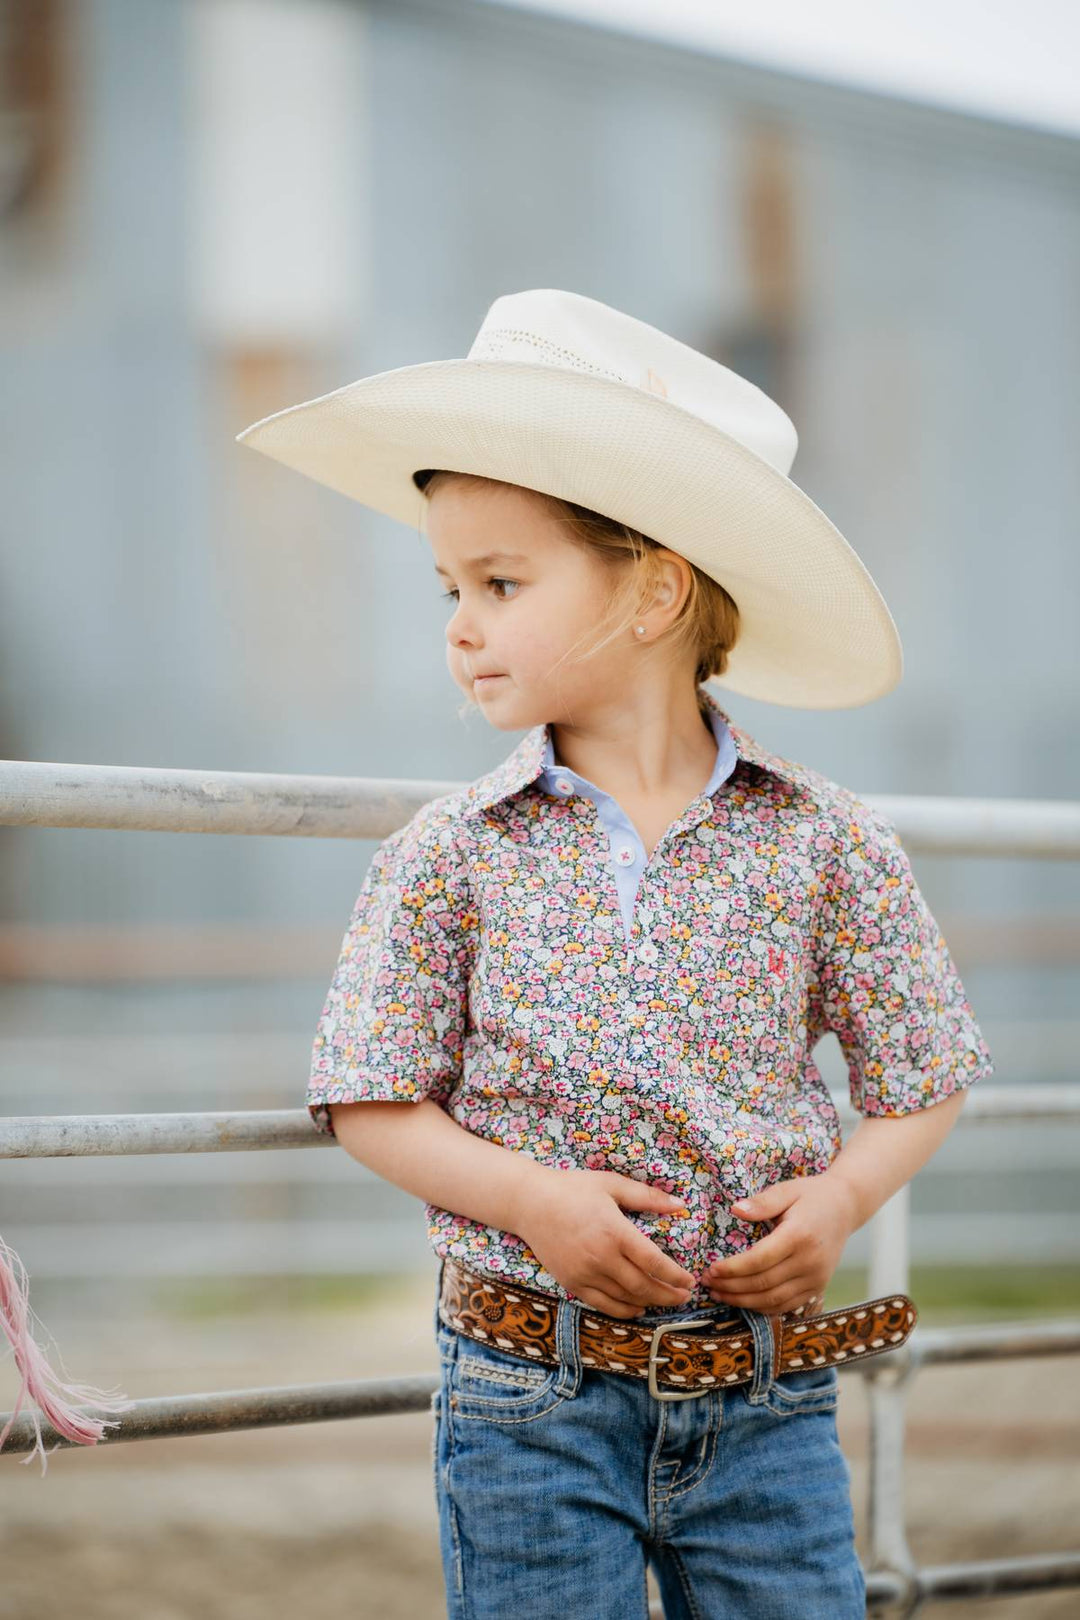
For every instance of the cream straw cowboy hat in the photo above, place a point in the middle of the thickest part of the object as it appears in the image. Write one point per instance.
(563, 394)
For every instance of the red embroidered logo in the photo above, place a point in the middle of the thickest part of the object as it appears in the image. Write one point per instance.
(777, 960)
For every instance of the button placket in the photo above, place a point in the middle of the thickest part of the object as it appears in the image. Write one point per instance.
(696, 812)
(622, 852)
(601, 830)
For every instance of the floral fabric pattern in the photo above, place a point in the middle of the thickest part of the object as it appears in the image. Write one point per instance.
(485, 965)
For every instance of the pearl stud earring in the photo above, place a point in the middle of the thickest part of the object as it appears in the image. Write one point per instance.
(641, 629)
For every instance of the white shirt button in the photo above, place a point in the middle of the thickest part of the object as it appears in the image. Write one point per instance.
(626, 855)
(564, 786)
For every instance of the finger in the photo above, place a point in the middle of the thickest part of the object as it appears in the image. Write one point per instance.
(751, 1282)
(630, 1193)
(784, 1296)
(609, 1304)
(747, 1281)
(771, 1251)
(631, 1281)
(652, 1260)
(751, 1287)
(798, 1302)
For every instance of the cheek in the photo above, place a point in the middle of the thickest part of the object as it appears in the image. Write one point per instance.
(545, 630)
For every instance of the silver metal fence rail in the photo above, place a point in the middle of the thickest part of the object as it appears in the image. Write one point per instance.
(36, 793)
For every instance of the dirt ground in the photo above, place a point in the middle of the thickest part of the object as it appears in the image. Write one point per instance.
(336, 1520)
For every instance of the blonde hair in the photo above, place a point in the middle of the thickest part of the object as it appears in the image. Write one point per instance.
(708, 623)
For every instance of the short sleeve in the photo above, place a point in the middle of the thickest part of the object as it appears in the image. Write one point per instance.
(393, 1023)
(885, 982)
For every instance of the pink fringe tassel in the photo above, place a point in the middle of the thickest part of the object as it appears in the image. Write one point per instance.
(38, 1379)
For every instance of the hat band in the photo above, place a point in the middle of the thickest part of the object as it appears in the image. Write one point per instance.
(515, 343)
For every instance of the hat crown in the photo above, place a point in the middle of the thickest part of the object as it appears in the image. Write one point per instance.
(570, 332)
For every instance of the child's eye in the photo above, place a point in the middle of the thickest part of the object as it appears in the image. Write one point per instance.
(453, 595)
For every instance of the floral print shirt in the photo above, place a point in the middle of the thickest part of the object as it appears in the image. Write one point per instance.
(487, 965)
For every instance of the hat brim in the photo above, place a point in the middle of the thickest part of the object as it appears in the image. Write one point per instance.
(815, 631)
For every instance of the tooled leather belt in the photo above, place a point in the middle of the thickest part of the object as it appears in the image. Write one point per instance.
(686, 1357)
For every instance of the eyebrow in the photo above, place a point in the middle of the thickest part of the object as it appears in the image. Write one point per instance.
(488, 557)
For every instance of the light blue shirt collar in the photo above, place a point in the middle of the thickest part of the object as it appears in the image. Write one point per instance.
(726, 760)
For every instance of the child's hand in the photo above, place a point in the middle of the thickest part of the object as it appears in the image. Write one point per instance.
(572, 1221)
(813, 1217)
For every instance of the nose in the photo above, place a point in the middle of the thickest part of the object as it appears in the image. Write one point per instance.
(457, 630)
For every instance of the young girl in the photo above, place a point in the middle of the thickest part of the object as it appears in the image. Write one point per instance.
(598, 973)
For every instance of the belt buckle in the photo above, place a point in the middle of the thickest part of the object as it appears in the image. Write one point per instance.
(673, 1327)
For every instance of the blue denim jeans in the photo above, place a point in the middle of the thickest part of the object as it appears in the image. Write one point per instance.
(557, 1487)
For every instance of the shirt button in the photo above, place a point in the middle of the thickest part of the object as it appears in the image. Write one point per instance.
(626, 855)
(564, 786)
